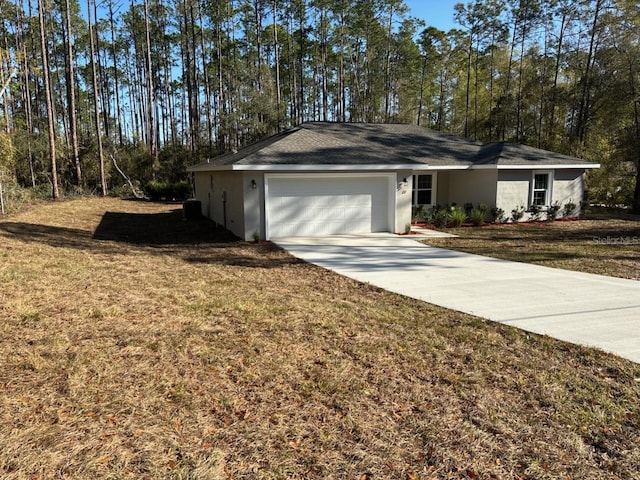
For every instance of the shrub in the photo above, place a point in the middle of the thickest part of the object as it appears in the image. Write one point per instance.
(517, 213)
(569, 209)
(552, 211)
(477, 217)
(157, 191)
(535, 211)
(415, 214)
(468, 208)
(439, 216)
(420, 214)
(458, 216)
(497, 214)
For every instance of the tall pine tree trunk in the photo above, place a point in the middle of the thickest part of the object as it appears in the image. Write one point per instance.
(115, 72)
(26, 91)
(585, 96)
(71, 97)
(276, 51)
(55, 192)
(151, 123)
(96, 109)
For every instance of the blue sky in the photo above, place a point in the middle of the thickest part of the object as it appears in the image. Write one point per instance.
(437, 13)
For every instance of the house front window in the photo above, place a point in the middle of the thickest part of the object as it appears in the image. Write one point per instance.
(541, 189)
(423, 190)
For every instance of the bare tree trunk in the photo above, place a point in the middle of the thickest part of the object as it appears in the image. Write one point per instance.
(96, 100)
(195, 132)
(554, 93)
(222, 108)
(276, 51)
(55, 193)
(5, 102)
(207, 86)
(507, 90)
(421, 97)
(387, 70)
(324, 70)
(115, 72)
(583, 111)
(151, 136)
(519, 97)
(342, 87)
(26, 90)
(71, 97)
(468, 88)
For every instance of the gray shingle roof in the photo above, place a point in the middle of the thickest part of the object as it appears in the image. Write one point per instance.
(360, 144)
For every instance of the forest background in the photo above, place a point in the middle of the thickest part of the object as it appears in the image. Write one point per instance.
(95, 92)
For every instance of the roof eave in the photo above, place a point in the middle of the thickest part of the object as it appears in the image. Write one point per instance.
(543, 166)
(380, 167)
(305, 167)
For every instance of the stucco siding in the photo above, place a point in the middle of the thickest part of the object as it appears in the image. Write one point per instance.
(402, 200)
(513, 190)
(253, 205)
(221, 194)
(475, 186)
(568, 187)
(442, 189)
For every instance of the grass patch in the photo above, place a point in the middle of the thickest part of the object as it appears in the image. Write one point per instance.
(606, 246)
(136, 345)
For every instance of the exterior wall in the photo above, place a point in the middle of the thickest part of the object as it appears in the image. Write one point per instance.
(472, 186)
(221, 194)
(568, 187)
(253, 205)
(243, 212)
(403, 200)
(514, 189)
(442, 188)
(245, 206)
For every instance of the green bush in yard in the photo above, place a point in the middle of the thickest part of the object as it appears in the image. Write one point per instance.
(158, 191)
(553, 211)
(497, 214)
(517, 213)
(477, 217)
(458, 216)
(569, 209)
(535, 211)
(439, 216)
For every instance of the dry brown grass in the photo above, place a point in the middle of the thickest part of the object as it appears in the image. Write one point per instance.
(606, 246)
(136, 345)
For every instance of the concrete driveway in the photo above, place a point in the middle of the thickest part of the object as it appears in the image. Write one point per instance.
(582, 308)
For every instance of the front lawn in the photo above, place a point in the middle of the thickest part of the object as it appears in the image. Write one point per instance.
(606, 246)
(136, 345)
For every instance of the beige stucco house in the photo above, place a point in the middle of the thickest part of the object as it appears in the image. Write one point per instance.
(331, 178)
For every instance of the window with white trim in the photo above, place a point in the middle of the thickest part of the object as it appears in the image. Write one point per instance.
(541, 189)
(422, 190)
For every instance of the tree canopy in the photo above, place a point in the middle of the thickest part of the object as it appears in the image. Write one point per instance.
(160, 84)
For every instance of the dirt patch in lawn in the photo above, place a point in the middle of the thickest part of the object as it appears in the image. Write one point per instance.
(136, 345)
(606, 246)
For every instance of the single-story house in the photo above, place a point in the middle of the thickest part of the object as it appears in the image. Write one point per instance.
(331, 178)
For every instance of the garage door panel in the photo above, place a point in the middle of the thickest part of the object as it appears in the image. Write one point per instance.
(320, 205)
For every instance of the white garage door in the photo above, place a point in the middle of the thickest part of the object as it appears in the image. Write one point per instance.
(299, 205)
